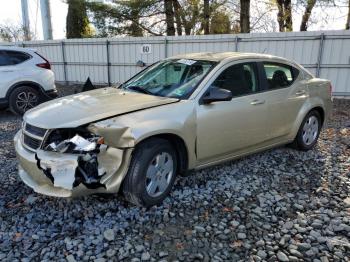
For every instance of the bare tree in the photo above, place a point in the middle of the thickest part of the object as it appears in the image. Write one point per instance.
(347, 26)
(280, 15)
(307, 13)
(262, 17)
(169, 17)
(288, 15)
(177, 17)
(284, 15)
(10, 32)
(244, 19)
(189, 14)
(134, 18)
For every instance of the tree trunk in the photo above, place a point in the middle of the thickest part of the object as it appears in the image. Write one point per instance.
(77, 23)
(280, 15)
(177, 18)
(244, 20)
(206, 17)
(309, 6)
(187, 29)
(288, 15)
(347, 26)
(169, 17)
(185, 23)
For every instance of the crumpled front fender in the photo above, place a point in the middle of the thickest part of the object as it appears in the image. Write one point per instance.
(114, 135)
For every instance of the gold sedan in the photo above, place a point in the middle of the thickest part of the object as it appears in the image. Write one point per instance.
(183, 113)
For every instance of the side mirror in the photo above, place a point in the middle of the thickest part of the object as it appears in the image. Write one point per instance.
(217, 94)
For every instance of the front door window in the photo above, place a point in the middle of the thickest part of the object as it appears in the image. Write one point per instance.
(240, 79)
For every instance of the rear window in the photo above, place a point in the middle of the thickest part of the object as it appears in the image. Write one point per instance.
(8, 57)
(280, 75)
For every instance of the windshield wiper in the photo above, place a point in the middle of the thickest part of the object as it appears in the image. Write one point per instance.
(140, 89)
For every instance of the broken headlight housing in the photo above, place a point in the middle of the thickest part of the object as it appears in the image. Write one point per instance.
(72, 141)
(81, 144)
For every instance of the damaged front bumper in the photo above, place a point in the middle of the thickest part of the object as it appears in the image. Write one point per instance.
(53, 173)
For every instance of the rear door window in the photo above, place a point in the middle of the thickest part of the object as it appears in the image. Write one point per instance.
(279, 75)
(15, 57)
(4, 59)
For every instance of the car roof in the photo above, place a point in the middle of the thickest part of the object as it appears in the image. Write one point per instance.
(217, 57)
(16, 48)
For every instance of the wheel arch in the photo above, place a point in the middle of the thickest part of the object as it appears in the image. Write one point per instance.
(32, 84)
(303, 112)
(179, 145)
(321, 111)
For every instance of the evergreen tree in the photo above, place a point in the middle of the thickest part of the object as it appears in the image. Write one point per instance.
(77, 25)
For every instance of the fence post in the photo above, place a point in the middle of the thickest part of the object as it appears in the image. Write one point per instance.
(165, 47)
(64, 62)
(236, 43)
(108, 63)
(320, 53)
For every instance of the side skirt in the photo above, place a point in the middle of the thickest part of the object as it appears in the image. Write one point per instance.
(240, 155)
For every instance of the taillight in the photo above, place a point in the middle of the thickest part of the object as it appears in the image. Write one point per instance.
(45, 65)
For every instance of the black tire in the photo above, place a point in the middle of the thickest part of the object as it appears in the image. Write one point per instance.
(134, 186)
(300, 143)
(23, 98)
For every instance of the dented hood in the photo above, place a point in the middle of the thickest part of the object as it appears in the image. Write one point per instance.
(91, 106)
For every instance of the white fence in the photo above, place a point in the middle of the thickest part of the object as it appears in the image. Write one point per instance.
(106, 61)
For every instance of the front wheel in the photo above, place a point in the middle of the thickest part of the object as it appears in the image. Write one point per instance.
(151, 173)
(309, 131)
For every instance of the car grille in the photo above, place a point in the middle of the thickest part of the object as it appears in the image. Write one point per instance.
(31, 142)
(38, 131)
(32, 136)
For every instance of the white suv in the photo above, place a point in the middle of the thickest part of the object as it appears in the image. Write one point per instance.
(26, 79)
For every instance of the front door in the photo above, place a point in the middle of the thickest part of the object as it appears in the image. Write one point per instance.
(229, 127)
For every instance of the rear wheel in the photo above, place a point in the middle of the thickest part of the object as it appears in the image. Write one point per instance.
(23, 98)
(151, 173)
(309, 131)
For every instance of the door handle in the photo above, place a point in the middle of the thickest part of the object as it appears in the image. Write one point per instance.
(7, 71)
(300, 93)
(257, 102)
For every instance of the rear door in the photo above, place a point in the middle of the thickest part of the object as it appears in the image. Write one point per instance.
(10, 70)
(230, 127)
(286, 92)
(6, 73)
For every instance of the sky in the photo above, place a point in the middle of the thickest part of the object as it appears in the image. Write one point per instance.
(333, 18)
(10, 12)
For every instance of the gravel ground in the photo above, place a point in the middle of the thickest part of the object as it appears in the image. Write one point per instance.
(277, 205)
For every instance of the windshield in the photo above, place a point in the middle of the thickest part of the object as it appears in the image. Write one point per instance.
(171, 78)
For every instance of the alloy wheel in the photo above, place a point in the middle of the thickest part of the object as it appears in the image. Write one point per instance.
(26, 100)
(310, 130)
(159, 174)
